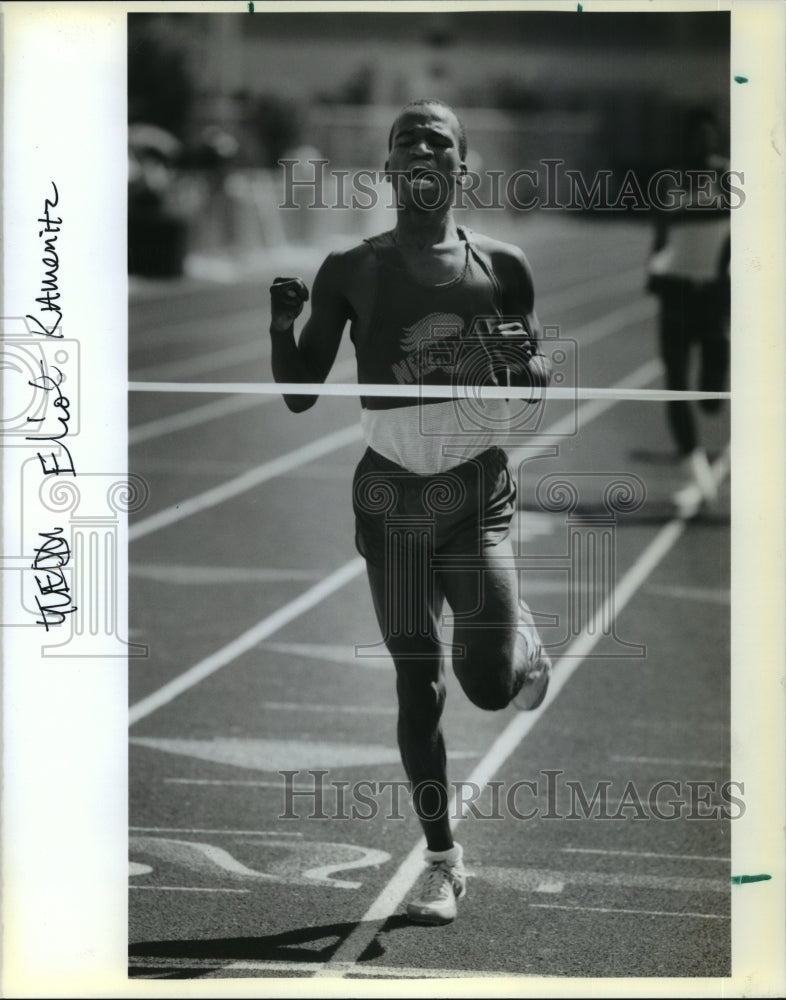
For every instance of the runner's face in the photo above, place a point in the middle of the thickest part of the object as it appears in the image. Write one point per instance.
(424, 157)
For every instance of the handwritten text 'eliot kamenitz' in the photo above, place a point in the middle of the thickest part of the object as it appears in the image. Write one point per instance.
(54, 597)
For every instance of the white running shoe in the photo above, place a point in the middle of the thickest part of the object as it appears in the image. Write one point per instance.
(538, 673)
(701, 490)
(701, 470)
(444, 882)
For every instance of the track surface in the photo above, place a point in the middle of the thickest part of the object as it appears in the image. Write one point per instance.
(243, 567)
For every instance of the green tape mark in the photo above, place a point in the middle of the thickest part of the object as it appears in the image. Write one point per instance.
(740, 79)
(579, 8)
(742, 879)
(251, 7)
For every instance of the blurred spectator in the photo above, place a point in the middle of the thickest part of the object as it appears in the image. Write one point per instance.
(215, 156)
(156, 231)
(214, 150)
(689, 272)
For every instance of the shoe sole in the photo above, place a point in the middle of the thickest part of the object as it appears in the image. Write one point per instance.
(531, 706)
(433, 919)
(543, 660)
(430, 919)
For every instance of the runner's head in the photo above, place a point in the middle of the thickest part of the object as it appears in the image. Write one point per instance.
(428, 102)
(427, 147)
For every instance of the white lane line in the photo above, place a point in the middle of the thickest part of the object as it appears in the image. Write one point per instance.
(385, 905)
(215, 410)
(534, 879)
(271, 965)
(676, 761)
(240, 322)
(618, 319)
(246, 481)
(645, 854)
(167, 465)
(182, 888)
(229, 833)
(599, 290)
(247, 640)
(218, 574)
(644, 913)
(690, 726)
(705, 595)
(276, 755)
(321, 709)
(244, 783)
(292, 706)
(190, 418)
(709, 595)
(325, 472)
(226, 357)
(250, 782)
(344, 655)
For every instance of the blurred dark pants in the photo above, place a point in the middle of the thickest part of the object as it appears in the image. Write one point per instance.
(693, 316)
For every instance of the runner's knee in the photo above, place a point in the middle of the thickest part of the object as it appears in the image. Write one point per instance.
(489, 697)
(486, 679)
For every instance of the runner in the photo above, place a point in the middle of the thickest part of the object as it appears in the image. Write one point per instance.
(431, 303)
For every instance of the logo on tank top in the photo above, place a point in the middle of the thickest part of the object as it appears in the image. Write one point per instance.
(430, 345)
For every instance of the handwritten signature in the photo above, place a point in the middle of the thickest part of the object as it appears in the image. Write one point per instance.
(51, 261)
(49, 560)
(50, 383)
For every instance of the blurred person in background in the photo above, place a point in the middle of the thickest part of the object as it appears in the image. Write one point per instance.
(156, 231)
(413, 297)
(689, 272)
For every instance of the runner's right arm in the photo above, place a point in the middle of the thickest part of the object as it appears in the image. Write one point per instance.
(312, 357)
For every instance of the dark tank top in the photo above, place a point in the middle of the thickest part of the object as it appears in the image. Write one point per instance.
(422, 334)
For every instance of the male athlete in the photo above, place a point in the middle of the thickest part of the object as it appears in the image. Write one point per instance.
(431, 303)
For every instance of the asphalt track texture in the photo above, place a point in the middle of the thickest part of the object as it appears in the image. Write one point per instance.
(243, 566)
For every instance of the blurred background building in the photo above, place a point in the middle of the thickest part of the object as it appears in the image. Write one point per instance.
(236, 92)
